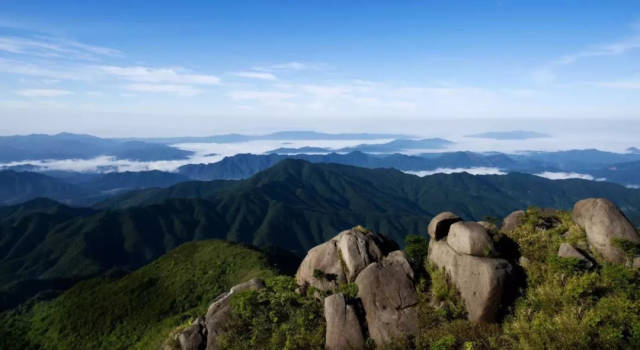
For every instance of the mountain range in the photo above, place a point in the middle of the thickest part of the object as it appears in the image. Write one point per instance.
(73, 146)
(293, 205)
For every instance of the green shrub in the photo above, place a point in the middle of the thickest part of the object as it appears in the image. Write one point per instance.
(274, 318)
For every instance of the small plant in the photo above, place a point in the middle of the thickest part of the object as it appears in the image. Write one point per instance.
(350, 290)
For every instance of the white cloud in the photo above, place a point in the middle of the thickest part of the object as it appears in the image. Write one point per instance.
(546, 74)
(256, 75)
(553, 175)
(472, 171)
(289, 66)
(54, 47)
(159, 75)
(612, 49)
(266, 97)
(180, 90)
(43, 92)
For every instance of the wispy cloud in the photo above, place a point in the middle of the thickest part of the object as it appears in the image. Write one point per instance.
(546, 73)
(289, 66)
(43, 92)
(54, 47)
(256, 75)
(160, 75)
(180, 90)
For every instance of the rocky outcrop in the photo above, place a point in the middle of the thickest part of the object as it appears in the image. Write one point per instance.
(604, 224)
(193, 337)
(342, 258)
(386, 291)
(470, 238)
(480, 280)
(203, 333)
(566, 250)
(343, 327)
(389, 298)
(439, 225)
(512, 221)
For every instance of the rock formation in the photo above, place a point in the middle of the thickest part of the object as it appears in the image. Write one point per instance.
(566, 250)
(343, 327)
(512, 221)
(480, 280)
(386, 290)
(203, 333)
(341, 259)
(389, 298)
(604, 224)
(470, 238)
(439, 225)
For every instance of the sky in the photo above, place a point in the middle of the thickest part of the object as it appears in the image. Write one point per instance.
(167, 68)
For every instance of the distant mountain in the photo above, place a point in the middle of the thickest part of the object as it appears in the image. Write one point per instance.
(244, 165)
(73, 146)
(579, 160)
(399, 146)
(624, 173)
(293, 205)
(129, 180)
(17, 187)
(509, 135)
(288, 150)
(282, 135)
(78, 188)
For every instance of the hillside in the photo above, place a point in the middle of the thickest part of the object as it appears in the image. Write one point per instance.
(139, 310)
(17, 187)
(293, 205)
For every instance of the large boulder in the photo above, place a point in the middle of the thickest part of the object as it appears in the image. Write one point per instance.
(604, 223)
(341, 259)
(217, 317)
(389, 298)
(343, 328)
(439, 225)
(480, 281)
(512, 221)
(467, 237)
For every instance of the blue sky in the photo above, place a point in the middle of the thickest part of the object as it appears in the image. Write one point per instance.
(150, 68)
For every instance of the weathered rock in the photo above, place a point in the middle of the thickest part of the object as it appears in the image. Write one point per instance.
(512, 221)
(636, 263)
(566, 250)
(217, 316)
(389, 298)
(358, 249)
(343, 328)
(342, 258)
(439, 226)
(321, 268)
(467, 237)
(480, 281)
(604, 223)
(193, 337)
(489, 226)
